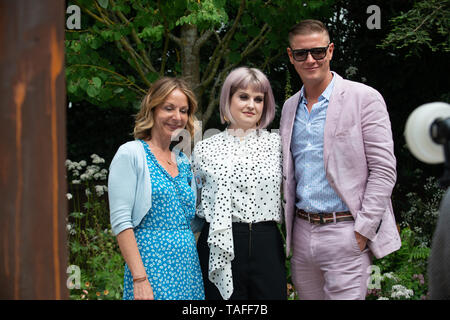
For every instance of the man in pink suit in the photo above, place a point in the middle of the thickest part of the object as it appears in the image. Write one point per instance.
(338, 174)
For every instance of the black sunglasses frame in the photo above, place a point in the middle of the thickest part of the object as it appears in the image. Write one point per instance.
(309, 51)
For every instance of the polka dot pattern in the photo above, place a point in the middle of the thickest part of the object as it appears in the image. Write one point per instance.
(241, 182)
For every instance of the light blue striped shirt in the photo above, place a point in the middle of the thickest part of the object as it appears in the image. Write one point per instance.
(314, 194)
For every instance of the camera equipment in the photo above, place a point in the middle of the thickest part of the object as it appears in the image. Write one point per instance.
(427, 134)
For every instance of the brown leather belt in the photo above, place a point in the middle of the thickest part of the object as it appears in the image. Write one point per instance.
(323, 218)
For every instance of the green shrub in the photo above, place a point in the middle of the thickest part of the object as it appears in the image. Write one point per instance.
(401, 275)
(92, 246)
(423, 211)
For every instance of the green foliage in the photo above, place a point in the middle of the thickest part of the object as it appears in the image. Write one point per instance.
(421, 217)
(126, 45)
(288, 87)
(97, 254)
(403, 274)
(92, 246)
(426, 25)
(204, 14)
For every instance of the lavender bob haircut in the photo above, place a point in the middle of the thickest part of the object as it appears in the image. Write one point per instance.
(243, 78)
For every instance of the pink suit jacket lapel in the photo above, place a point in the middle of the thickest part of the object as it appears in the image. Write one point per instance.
(334, 110)
(292, 110)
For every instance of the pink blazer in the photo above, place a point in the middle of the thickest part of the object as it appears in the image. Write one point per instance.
(358, 154)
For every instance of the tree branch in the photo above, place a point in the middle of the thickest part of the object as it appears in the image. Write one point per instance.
(213, 101)
(89, 12)
(176, 40)
(203, 38)
(129, 83)
(126, 44)
(105, 16)
(270, 59)
(256, 42)
(219, 52)
(143, 55)
(133, 55)
(166, 41)
(430, 15)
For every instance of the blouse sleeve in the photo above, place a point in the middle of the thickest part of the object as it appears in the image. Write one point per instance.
(196, 223)
(197, 179)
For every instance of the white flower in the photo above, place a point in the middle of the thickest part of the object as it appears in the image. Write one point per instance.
(75, 181)
(97, 159)
(87, 192)
(70, 229)
(71, 165)
(399, 291)
(90, 173)
(92, 169)
(383, 298)
(83, 163)
(100, 175)
(100, 190)
(69, 196)
(390, 275)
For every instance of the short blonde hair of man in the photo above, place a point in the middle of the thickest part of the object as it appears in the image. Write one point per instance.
(306, 27)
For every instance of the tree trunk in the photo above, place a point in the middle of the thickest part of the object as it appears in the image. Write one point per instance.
(190, 60)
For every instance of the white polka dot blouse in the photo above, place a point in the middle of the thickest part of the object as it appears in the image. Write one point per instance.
(240, 180)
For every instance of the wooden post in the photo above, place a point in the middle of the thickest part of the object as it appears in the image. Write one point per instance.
(33, 207)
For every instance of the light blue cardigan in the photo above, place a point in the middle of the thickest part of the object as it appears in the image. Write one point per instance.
(130, 187)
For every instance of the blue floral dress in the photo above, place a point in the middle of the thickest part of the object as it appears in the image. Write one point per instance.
(164, 238)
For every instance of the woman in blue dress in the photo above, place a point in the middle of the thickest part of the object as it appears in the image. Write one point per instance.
(152, 202)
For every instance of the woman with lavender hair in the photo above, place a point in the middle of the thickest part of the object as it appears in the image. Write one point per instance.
(239, 172)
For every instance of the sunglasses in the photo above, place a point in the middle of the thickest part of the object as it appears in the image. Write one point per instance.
(317, 53)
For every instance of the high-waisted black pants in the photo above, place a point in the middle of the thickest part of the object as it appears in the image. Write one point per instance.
(258, 267)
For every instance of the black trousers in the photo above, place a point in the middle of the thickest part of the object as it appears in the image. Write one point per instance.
(258, 267)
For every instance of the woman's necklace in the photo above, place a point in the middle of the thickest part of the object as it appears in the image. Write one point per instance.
(169, 161)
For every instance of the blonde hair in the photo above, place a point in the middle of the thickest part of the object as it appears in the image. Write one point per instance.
(307, 27)
(156, 95)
